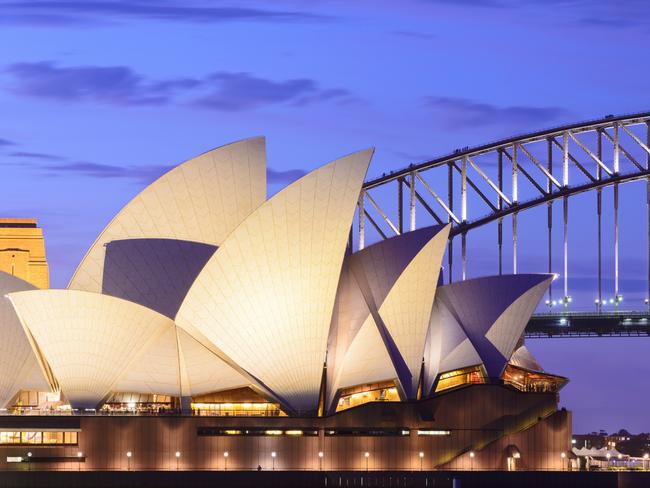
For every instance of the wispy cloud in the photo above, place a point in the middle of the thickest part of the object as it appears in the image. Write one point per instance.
(6, 142)
(241, 91)
(120, 85)
(457, 113)
(409, 34)
(114, 84)
(283, 176)
(36, 155)
(92, 12)
(96, 170)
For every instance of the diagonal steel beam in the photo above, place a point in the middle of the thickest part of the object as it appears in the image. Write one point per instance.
(475, 188)
(527, 175)
(374, 224)
(624, 151)
(426, 206)
(488, 181)
(575, 161)
(438, 199)
(536, 162)
(591, 154)
(382, 213)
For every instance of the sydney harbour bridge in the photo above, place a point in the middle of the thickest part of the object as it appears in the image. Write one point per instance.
(490, 190)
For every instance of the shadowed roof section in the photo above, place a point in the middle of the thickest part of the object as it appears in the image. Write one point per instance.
(265, 298)
(156, 273)
(481, 318)
(19, 368)
(202, 200)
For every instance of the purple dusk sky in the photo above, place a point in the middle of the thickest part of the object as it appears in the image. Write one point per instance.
(98, 98)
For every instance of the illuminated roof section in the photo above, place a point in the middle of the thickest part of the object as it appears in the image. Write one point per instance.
(266, 296)
(201, 200)
(89, 340)
(18, 365)
(373, 283)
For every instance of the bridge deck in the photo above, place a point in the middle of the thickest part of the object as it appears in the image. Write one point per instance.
(580, 324)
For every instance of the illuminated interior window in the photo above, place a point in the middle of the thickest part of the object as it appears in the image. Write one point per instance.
(532, 381)
(28, 438)
(139, 403)
(459, 377)
(375, 392)
(239, 402)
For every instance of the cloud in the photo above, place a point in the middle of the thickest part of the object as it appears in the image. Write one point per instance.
(120, 85)
(6, 142)
(114, 84)
(36, 155)
(241, 91)
(96, 170)
(92, 12)
(283, 177)
(458, 113)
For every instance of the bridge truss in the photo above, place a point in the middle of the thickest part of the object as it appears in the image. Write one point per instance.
(495, 183)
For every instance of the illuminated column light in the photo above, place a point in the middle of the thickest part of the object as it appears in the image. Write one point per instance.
(366, 455)
(273, 454)
(79, 456)
(178, 456)
(128, 456)
(225, 461)
(320, 460)
(421, 458)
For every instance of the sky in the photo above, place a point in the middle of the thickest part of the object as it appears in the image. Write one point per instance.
(100, 97)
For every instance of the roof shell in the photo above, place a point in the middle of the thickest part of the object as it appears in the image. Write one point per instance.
(265, 298)
(201, 200)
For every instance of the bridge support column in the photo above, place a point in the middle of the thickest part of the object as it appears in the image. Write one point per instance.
(463, 256)
(566, 252)
(514, 243)
(617, 296)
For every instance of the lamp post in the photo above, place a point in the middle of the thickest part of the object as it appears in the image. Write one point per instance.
(367, 455)
(79, 456)
(29, 460)
(225, 461)
(421, 458)
(128, 457)
(273, 454)
(471, 460)
(563, 456)
(178, 457)
(645, 461)
(320, 460)
(608, 456)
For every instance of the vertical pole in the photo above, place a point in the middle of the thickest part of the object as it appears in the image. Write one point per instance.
(412, 201)
(616, 149)
(565, 161)
(514, 243)
(500, 202)
(463, 190)
(362, 217)
(515, 187)
(599, 210)
(647, 163)
(565, 183)
(464, 255)
(616, 287)
(549, 217)
(400, 206)
(450, 204)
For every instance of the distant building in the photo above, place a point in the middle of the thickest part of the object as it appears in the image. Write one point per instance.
(22, 251)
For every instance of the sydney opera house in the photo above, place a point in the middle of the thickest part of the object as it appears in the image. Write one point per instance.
(209, 327)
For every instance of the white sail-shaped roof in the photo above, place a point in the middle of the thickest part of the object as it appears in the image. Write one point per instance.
(201, 200)
(89, 340)
(265, 298)
(373, 282)
(523, 358)
(481, 321)
(176, 364)
(19, 369)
